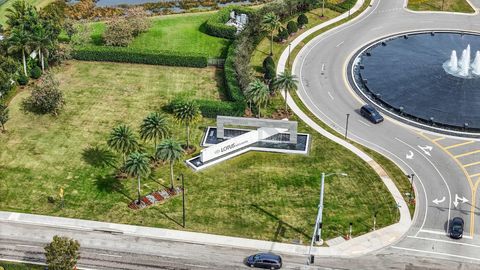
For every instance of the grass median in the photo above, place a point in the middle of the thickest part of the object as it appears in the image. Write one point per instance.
(441, 5)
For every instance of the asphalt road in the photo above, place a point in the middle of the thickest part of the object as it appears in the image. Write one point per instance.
(446, 169)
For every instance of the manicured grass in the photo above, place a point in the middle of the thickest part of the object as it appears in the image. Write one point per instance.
(436, 5)
(20, 266)
(174, 33)
(258, 195)
(8, 3)
(263, 48)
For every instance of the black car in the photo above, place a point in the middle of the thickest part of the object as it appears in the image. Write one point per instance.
(371, 114)
(456, 230)
(265, 260)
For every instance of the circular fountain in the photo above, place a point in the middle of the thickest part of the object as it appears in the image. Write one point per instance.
(422, 80)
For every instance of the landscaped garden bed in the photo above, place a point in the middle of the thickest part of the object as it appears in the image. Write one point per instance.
(440, 5)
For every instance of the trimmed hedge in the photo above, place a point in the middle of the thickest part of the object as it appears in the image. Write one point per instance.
(212, 108)
(341, 7)
(215, 25)
(233, 90)
(127, 55)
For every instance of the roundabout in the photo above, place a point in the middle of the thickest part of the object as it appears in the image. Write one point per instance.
(446, 168)
(417, 77)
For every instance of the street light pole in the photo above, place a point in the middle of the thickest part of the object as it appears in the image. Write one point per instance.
(317, 231)
(323, 7)
(183, 200)
(289, 50)
(411, 185)
(346, 126)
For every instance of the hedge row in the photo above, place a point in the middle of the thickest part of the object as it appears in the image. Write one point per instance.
(341, 7)
(212, 108)
(127, 55)
(233, 90)
(215, 25)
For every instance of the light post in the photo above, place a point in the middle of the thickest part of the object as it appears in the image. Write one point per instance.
(410, 176)
(289, 50)
(317, 231)
(323, 7)
(183, 200)
(346, 126)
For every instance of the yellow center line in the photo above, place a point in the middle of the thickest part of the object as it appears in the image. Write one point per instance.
(466, 154)
(471, 164)
(459, 144)
(475, 175)
(469, 180)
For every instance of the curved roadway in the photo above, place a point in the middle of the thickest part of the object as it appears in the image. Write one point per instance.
(446, 169)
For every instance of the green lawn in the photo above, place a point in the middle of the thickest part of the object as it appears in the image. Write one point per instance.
(436, 5)
(258, 195)
(8, 3)
(174, 33)
(20, 266)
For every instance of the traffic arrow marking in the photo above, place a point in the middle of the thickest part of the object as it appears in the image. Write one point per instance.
(437, 201)
(426, 149)
(462, 199)
(409, 155)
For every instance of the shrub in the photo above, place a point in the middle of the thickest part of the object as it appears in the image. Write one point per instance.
(62, 253)
(212, 108)
(282, 34)
(292, 27)
(138, 19)
(46, 97)
(269, 73)
(215, 25)
(119, 32)
(234, 92)
(22, 79)
(302, 20)
(128, 55)
(36, 72)
(268, 61)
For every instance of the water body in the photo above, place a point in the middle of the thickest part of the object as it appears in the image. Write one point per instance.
(407, 74)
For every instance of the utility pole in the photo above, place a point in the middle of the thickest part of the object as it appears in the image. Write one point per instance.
(346, 126)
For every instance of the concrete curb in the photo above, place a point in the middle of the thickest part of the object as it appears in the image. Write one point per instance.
(374, 240)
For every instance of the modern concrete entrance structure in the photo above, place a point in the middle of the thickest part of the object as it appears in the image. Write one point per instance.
(270, 136)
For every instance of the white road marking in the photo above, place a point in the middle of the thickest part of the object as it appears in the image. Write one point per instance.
(441, 176)
(433, 232)
(330, 95)
(437, 201)
(196, 265)
(462, 199)
(366, 124)
(323, 67)
(409, 155)
(110, 255)
(375, 28)
(445, 241)
(437, 253)
(339, 44)
(29, 246)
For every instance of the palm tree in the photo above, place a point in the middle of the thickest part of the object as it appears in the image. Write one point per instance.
(137, 166)
(16, 14)
(258, 93)
(271, 23)
(42, 41)
(187, 112)
(288, 82)
(154, 127)
(19, 40)
(169, 150)
(123, 140)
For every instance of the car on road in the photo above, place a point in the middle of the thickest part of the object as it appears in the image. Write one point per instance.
(456, 230)
(371, 114)
(264, 260)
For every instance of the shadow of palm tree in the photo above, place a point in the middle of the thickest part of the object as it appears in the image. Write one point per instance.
(99, 157)
(111, 184)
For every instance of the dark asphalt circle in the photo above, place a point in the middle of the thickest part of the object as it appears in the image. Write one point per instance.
(405, 73)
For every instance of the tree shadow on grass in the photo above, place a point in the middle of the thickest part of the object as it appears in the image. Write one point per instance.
(281, 223)
(99, 157)
(111, 184)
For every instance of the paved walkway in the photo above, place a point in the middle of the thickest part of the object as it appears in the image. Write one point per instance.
(354, 247)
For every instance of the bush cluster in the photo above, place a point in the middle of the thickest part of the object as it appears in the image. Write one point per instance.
(292, 27)
(282, 34)
(234, 92)
(215, 25)
(341, 7)
(302, 20)
(36, 72)
(46, 97)
(128, 55)
(212, 108)
(269, 69)
(121, 31)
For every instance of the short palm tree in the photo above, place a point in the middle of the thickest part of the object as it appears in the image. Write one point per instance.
(137, 166)
(154, 127)
(169, 150)
(271, 23)
(258, 93)
(288, 82)
(187, 112)
(123, 140)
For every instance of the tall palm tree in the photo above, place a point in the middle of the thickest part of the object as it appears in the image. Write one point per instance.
(288, 82)
(19, 40)
(258, 93)
(187, 112)
(271, 23)
(123, 140)
(16, 14)
(169, 150)
(43, 42)
(137, 166)
(154, 127)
